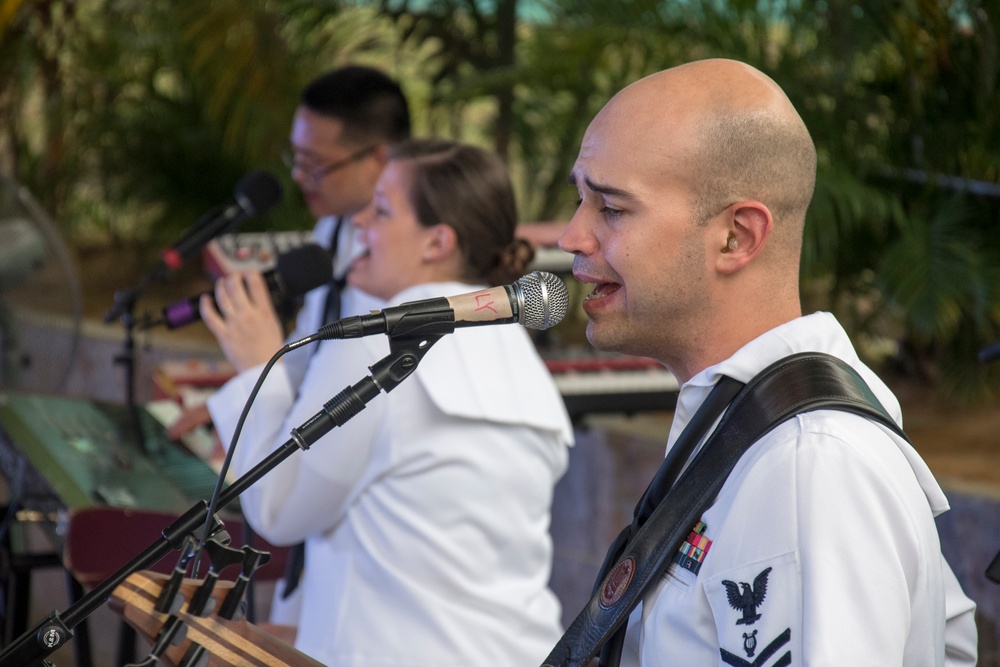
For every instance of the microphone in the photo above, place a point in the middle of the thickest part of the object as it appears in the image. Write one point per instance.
(538, 301)
(297, 271)
(255, 193)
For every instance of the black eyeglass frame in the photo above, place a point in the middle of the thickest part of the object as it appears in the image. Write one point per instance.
(317, 174)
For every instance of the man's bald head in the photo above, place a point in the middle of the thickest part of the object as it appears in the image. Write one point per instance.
(734, 133)
(693, 188)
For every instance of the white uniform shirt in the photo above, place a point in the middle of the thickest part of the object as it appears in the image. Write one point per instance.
(821, 548)
(426, 516)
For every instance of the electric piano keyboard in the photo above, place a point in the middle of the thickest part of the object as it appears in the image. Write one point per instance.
(591, 381)
(250, 251)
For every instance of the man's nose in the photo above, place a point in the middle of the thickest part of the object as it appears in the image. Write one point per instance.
(577, 236)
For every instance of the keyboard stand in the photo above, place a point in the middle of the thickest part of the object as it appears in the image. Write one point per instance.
(21, 560)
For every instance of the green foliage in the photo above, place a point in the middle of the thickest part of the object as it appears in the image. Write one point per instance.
(128, 120)
(154, 110)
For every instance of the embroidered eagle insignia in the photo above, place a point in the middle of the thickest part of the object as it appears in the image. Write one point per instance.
(745, 598)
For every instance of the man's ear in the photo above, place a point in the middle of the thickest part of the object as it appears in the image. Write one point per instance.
(381, 155)
(747, 229)
(440, 242)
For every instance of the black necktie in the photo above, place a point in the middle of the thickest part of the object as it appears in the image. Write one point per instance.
(331, 309)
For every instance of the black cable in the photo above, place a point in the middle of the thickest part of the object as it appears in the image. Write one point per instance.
(232, 447)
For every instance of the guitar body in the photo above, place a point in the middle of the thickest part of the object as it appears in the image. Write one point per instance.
(227, 642)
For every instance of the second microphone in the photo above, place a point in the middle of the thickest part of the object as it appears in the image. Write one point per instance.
(296, 272)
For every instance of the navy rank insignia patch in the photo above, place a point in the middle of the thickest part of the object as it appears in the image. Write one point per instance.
(747, 598)
(695, 548)
(757, 611)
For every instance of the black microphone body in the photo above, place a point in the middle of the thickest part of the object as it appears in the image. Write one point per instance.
(538, 300)
(255, 193)
(297, 271)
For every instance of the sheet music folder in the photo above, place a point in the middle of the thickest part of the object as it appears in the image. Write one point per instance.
(88, 455)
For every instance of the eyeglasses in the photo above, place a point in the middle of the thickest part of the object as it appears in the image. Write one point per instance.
(316, 174)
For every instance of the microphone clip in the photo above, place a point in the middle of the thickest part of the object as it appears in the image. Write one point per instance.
(405, 352)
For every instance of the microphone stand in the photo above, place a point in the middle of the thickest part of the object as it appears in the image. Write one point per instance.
(124, 309)
(32, 647)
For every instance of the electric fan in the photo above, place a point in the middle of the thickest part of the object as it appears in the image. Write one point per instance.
(41, 307)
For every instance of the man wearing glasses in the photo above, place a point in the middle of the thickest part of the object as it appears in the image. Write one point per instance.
(341, 133)
(340, 136)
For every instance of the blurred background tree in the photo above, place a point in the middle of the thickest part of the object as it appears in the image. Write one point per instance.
(129, 120)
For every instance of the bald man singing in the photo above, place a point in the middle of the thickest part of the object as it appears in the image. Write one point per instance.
(821, 547)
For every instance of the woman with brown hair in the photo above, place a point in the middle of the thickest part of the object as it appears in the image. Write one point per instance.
(426, 516)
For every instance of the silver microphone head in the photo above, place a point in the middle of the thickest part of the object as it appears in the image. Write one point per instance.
(542, 299)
